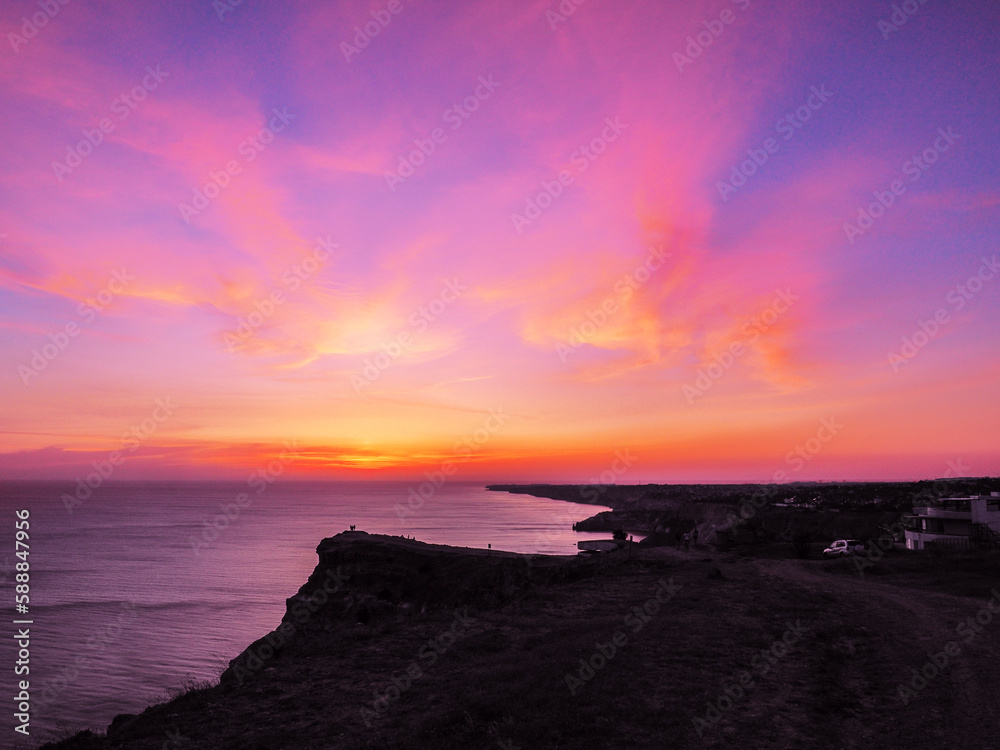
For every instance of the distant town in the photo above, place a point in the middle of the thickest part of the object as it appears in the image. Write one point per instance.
(960, 512)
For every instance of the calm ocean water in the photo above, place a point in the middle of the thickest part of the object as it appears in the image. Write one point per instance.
(125, 608)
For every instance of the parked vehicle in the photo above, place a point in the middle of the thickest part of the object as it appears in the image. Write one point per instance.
(844, 547)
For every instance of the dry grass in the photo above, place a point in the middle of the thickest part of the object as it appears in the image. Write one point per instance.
(504, 679)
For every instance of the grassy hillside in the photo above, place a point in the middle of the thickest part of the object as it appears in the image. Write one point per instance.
(420, 646)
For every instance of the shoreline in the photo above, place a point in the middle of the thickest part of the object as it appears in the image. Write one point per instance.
(834, 509)
(411, 645)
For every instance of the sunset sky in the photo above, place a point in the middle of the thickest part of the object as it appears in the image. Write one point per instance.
(500, 234)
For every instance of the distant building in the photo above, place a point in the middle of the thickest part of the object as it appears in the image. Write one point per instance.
(956, 522)
(794, 502)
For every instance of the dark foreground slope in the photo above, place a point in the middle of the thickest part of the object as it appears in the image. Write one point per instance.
(420, 646)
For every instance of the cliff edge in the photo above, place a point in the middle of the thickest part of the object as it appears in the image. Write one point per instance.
(396, 644)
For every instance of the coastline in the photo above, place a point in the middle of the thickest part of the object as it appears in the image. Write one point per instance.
(821, 510)
(200, 605)
(397, 643)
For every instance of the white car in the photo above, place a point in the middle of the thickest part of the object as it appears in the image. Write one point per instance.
(844, 547)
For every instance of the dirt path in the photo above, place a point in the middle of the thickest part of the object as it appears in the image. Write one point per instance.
(898, 628)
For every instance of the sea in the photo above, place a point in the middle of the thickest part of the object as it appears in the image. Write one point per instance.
(144, 588)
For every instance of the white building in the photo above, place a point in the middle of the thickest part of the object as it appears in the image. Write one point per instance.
(956, 522)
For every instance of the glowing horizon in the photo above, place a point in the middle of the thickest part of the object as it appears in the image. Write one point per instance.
(722, 238)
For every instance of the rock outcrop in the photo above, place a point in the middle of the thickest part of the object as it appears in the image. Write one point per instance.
(369, 578)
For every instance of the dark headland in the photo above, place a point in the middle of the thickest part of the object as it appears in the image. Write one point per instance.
(397, 644)
(819, 511)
